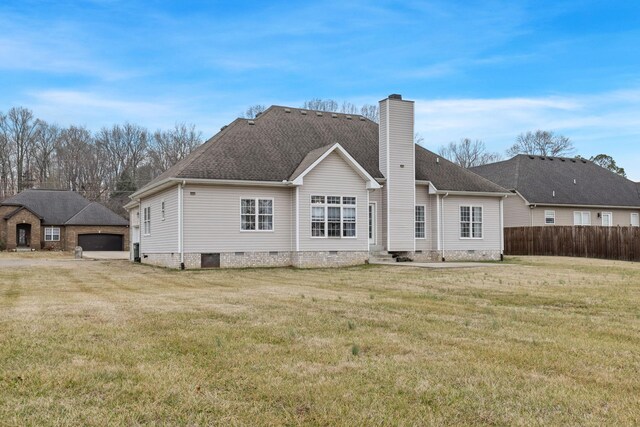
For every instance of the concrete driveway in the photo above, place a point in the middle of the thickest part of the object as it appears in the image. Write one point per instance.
(109, 255)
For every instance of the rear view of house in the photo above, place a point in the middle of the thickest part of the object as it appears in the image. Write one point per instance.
(60, 220)
(310, 188)
(564, 191)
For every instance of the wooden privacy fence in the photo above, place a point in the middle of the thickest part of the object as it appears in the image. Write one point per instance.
(615, 243)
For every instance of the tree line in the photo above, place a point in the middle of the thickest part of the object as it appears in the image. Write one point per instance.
(110, 164)
(468, 153)
(105, 166)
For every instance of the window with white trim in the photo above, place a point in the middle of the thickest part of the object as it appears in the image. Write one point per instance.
(256, 214)
(146, 220)
(420, 219)
(51, 234)
(635, 220)
(582, 218)
(550, 217)
(471, 222)
(333, 216)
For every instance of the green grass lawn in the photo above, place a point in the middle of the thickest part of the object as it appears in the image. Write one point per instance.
(543, 342)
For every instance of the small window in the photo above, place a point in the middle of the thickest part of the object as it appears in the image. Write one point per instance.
(162, 209)
(317, 221)
(550, 217)
(471, 222)
(607, 219)
(420, 222)
(52, 234)
(147, 220)
(256, 214)
(582, 218)
(635, 220)
(349, 221)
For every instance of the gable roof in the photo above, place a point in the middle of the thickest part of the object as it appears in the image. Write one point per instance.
(574, 181)
(18, 209)
(56, 207)
(279, 143)
(96, 214)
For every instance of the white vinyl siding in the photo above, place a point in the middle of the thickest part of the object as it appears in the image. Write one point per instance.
(397, 141)
(582, 218)
(52, 234)
(565, 215)
(212, 219)
(333, 177)
(549, 217)
(491, 232)
(158, 235)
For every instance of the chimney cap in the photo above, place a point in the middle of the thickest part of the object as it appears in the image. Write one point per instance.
(395, 96)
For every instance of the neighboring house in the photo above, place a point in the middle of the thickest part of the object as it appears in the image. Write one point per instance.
(310, 188)
(563, 191)
(60, 220)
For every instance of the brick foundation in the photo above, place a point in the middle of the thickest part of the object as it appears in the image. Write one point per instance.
(436, 256)
(262, 259)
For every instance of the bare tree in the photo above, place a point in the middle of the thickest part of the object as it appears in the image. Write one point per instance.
(170, 146)
(124, 148)
(542, 143)
(75, 148)
(321, 105)
(19, 129)
(468, 153)
(253, 111)
(44, 147)
(370, 111)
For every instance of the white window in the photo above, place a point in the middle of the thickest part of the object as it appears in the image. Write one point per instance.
(635, 220)
(550, 217)
(333, 216)
(146, 220)
(607, 219)
(256, 214)
(162, 209)
(421, 230)
(52, 234)
(581, 218)
(471, 222)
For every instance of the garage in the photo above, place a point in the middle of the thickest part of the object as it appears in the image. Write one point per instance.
(101, 242)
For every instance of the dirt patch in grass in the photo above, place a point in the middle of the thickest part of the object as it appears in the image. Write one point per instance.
(549, 341)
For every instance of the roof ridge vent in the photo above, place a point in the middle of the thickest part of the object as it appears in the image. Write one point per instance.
(573, 160)
(251, 122)
(319, 113)
(287, 110)
(224, 127)
(348, 117)
(362, 119)
(303, 112)
(532, 157)
(584, 161)
(334, 115)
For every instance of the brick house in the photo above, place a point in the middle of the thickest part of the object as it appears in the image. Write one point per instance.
(60, 220)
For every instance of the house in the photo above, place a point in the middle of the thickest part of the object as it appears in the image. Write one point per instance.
(563, 191)
(60, 220)
(310, 188)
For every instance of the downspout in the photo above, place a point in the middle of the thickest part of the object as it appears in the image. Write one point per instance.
(502, 228)
(442, 219)
(297, 219)
(181, 223)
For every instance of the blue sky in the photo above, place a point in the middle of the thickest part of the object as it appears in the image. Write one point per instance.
(480, 69)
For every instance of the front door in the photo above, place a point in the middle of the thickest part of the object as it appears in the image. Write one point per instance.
(23, 232)
(372, 223)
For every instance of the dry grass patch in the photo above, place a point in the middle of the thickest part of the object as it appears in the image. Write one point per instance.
(549, 341)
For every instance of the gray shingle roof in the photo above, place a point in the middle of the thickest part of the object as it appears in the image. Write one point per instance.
(96, 214)
(277, 143)
(536, 178)
(56, 207)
